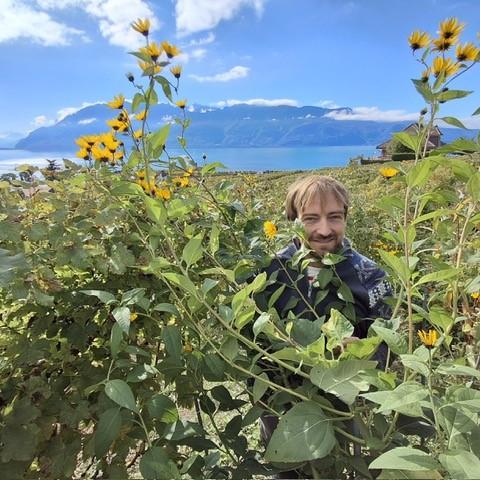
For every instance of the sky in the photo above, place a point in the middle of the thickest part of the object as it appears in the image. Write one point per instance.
(59, 55)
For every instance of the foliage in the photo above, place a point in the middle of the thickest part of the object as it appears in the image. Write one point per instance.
(135, 338)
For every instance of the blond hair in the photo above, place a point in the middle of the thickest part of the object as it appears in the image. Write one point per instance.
(304, 189)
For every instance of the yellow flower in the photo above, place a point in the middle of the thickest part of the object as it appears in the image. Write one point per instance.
(163, 193)
(118, 155)
(110, 142)
(141, 174)
(475, 295)
(176, 71)
(142, 115)
(142, 26)
(149, 68)
(133, 316)
(450, 28)
(83, 153)
(443, 44)
(446, 66)
(170, 50)
(142, 183)
(82, 143)
(138, 134)
(117, 102)
(425, 75)
(117, 125)
(188, 172)
(418, 40)
(467, 51)
(428, 338)
(388, 172)
(91, 139)
(181, 103)
(152, 50)
(180, 181)
(269, 229)
(102, 154)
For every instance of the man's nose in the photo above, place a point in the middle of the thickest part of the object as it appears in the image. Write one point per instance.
(322, 227)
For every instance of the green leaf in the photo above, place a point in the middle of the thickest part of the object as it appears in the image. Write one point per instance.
(404, 399)
(159, 138)
(126, 188)
(437, 276)
(460, 464)
(165, 86)
(138, 99)
(192, 251)
(336, 329)
(476, 112)
(155, 464)
(105, 297)
(345, 380)
(304, 433)
(161, 408)
(155, 210)
(410, 141)
(19, 442)
(259, 387)
(116, 337)
(397, 264)
(122, 317)
(452, 95)
(107, 430)
(167, 307)
(423, 88)
(214, 242)
(305, 331)
(363, 348)
(121, 394)
(394, 340)
(473, 186)
(420, 173)
(415, 363)
(405, 458)
(454, 369)
(453, 121)
(182, 281)
(173, 340)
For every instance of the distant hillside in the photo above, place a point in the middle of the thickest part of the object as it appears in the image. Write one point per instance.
(236, 126)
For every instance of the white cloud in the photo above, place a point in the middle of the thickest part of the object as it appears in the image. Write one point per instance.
(261, 102)
(20, 20)
(198, 53)
(87, 121)
(114, 17)
(199, 15)
(41, 121)
(202, 41)
(232, 74)
(327, 104)
(373, 114)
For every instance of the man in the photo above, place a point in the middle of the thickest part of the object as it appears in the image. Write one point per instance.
(355, 285)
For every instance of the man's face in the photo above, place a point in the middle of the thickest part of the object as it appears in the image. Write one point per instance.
(324, 221)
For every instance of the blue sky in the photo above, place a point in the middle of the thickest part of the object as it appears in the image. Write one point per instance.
(58, 55)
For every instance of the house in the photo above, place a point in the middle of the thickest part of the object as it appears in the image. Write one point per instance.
(412, 129)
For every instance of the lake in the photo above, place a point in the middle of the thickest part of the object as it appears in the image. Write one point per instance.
(254, 159)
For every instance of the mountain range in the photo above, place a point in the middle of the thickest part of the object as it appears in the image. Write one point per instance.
(236, 126)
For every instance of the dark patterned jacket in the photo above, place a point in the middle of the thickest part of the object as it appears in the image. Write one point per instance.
(366, 281)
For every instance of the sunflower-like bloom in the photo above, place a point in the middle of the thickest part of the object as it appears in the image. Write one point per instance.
(82, 143)
(142, 115)
(475, 295)
(102, 154)
(142, 26)
(388, 172)
(269, 229)
(181, 103)
(138, 134)
(163, 193)
(188, 172)
(429, 339)
(467, 52)
(176, 71)
(117, 102)
(149, 68)
(450, 27)
(425, 75)
(117, 125)
(133, 316)
(443, 44)
(110, 142)
(119, 155)
(152, 50)
(181, 181)
(141, 175)
(170, 50)
(83, 153)
(444, 65)
(418, 40)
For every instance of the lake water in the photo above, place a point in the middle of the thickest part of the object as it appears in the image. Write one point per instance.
(254, 159)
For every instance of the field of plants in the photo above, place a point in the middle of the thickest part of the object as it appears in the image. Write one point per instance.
(133, 343)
